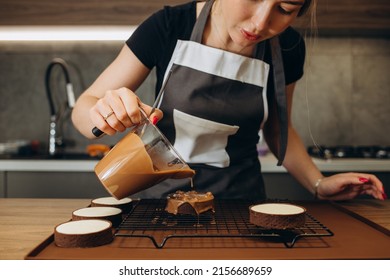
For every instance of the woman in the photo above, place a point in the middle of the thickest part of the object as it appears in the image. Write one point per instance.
(227, 69)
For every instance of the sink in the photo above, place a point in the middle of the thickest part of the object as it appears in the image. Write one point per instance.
(60, 156)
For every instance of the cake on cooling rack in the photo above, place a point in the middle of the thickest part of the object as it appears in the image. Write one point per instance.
(112, 214)
(125, 204)
(191, 203)
(277, 215)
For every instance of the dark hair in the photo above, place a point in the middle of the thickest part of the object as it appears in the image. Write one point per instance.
(304, 8)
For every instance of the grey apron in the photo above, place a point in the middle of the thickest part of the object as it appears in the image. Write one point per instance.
(214, 104)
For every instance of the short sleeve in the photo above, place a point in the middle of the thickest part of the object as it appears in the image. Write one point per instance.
(154, 41)
(147, 41)
(293, 52)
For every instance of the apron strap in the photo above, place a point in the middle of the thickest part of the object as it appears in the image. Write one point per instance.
(280, 96)
(259, 51)
(197, 31)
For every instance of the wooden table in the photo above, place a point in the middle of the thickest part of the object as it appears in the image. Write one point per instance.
(24, 223)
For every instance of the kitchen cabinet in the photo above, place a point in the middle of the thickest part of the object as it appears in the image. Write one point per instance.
(2, 184)
(76, 179)
(48, 184)
(75, 12)
(334, 17)
(57, 184)
(351, 17)
(284, 186)
(53, 185)
(28, 184)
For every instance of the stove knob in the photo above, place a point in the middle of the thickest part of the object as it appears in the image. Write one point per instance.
(340, 153)
(327, 154)
(381, 153)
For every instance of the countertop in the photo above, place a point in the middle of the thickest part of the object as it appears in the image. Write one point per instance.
(25, 223)
(268, 164)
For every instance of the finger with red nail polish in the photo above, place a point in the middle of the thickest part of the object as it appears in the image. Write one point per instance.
(363, 180)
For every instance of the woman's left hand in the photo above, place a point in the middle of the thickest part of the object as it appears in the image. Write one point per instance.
(345, 186)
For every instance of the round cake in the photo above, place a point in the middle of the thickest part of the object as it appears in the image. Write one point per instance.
(277, 215)
(83, 233)
(124, 204)
(191, 202)
(112, 214)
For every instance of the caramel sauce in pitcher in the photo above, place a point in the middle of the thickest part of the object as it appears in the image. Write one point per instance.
(128, 168)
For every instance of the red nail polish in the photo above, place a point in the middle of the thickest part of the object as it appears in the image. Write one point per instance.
(363, 180)
(384, 195)
(154, 120)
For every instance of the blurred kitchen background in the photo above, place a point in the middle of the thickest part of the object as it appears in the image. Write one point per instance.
(343, 98)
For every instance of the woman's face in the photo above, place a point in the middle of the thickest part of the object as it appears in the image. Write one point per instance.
(251, 21)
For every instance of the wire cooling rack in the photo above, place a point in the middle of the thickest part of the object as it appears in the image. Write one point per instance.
(148, 219)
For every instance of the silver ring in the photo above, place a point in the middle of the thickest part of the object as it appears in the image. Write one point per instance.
(108, 115)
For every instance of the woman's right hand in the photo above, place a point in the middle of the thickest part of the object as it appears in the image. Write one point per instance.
(113, 91)
(120, 109)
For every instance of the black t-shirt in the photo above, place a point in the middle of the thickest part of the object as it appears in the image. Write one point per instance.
(154, 41)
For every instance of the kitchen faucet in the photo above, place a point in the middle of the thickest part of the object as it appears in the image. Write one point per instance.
(56, 116)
